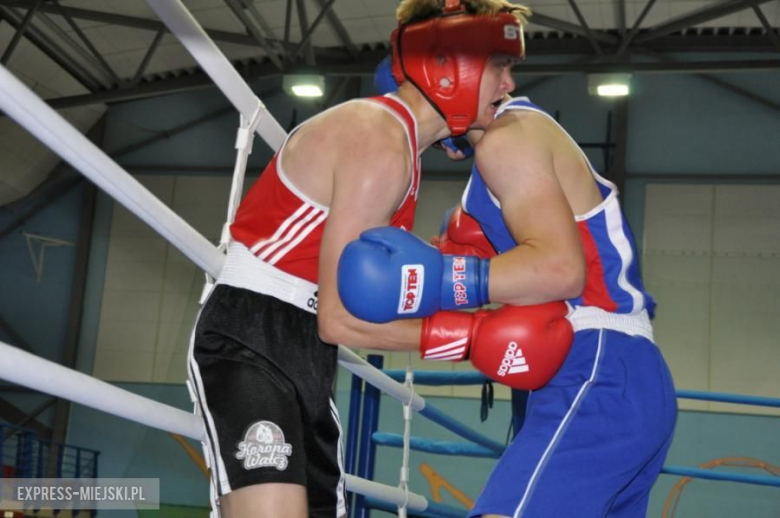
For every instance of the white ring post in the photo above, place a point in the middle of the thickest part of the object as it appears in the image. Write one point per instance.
(184, 26)
(26, 108)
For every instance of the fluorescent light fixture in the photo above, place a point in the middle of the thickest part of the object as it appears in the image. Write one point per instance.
(304, 85)
(307, 90)
(612, 90)
(609, 85)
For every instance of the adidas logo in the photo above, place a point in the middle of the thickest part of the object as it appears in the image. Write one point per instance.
(453, 351)
(312, 302)
(513, 361)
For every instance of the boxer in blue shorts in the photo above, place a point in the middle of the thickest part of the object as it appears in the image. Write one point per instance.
(262, 358)
(538, 224)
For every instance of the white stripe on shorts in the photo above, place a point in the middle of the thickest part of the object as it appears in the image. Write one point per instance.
(341, 505)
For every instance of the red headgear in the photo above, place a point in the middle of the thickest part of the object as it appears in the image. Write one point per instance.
(445, 57)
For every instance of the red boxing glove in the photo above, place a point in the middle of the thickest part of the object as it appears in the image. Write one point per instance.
(464, 236)
(519, 346)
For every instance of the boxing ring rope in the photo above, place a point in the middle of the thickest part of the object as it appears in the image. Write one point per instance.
(30, 371)
(438, 378)
(184, 26)
(37, 373)
(37, 117)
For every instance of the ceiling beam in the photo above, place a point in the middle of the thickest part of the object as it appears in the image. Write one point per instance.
(553, 23)
(303, 23)
(147, 57)
(698, 17)
(339, 29)
(586, 28)
(368, 60)
(256, 32)
(364, 67)
(85, 40)
(708, 42)
(310, 32)
(151, 25)
(50, 49)
(744, 93)
(194, 81)
(635, 29)
(17, 37)
(621, 17)
(770, 31)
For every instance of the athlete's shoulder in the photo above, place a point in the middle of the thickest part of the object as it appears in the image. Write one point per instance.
(518, 137)
(367, 122)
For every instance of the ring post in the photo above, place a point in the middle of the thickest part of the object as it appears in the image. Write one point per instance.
(353, 427)
(370, 423)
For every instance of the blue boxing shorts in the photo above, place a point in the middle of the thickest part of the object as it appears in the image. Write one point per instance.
(594, 439)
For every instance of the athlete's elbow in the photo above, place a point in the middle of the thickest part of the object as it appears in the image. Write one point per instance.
(328, 325)
(331, 331)
(570, 278)
(334, 326)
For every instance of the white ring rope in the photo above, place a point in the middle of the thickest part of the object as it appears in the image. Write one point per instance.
(361, 368)
(31, 371)
(37, 373)
(184, 26)
(21, 104)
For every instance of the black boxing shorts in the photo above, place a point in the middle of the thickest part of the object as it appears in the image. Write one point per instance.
(262, 381)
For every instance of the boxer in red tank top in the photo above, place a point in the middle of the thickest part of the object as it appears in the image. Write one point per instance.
(262, 361)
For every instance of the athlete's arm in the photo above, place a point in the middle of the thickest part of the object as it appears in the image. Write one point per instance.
(517, 161)
(370, 179)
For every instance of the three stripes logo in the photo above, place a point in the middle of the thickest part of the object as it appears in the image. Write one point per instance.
(453, 351)
(513, 361)
(289, 234)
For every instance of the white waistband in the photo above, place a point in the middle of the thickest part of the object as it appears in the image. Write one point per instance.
(596, 318)
(243, 270)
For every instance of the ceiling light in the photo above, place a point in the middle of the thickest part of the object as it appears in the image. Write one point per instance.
(304, 85)
(609, 85)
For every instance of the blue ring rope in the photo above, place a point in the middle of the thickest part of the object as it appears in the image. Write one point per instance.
(729, 398)
(438, 378)
(465, 449)
(761, 480)
(439, 417)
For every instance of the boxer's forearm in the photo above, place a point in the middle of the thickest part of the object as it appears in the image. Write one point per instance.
(337, 326)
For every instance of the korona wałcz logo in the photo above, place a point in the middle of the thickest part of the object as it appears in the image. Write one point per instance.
(264, 446)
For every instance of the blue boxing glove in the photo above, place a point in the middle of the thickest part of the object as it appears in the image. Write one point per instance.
(388, 274)
(456, 144)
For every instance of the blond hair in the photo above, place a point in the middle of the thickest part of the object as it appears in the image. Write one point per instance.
(417, 10)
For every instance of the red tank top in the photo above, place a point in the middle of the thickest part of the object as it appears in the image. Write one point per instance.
(283, 227)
